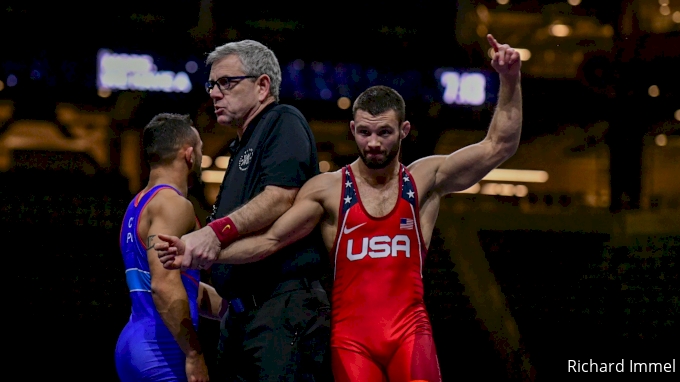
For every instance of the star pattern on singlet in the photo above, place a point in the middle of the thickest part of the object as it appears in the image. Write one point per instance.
(349, 192)
(408, 192)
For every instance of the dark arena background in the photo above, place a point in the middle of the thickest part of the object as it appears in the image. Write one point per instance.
(568, 252)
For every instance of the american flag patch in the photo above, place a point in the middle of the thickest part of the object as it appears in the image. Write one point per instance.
(405, 223)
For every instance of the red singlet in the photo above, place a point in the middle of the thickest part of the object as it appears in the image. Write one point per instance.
(380, 328)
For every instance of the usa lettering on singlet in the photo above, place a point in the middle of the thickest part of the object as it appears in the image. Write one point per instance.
(145, 347)
(378, 284)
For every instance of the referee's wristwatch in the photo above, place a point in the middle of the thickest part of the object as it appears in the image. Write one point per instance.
(212, 216)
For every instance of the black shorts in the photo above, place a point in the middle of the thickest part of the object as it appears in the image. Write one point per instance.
(284, 338)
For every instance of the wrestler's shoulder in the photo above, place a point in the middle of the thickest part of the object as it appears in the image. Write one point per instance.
(324, 182)
(168, 198)
(330, 178)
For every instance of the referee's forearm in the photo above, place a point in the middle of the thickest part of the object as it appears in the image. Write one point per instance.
(263, 210)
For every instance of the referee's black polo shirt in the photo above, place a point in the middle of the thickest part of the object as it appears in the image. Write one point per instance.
(276, 149)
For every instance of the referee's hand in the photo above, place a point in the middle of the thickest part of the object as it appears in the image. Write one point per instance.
(196, 250)
(170, 251)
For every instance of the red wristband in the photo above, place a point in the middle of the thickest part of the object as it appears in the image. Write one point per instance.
(225, 229)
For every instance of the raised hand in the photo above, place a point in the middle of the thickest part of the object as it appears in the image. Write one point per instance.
(505, 60)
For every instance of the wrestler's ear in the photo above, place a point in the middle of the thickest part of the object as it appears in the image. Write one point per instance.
(189, 155)
(352, 127)
(405, 129)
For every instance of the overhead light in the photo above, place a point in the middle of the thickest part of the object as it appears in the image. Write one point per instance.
(104, 92)
(482, 30)
(576, 2)
(472, 190)
(505, 189)
(12, 80)
(521, 190)
(607, 30)
(191, 66)
(514, 175)
(489, 189)
(560, 30)
(483, 13)
(222, 162)
(661, 140)
(324, 166)
(676, 17)
(524, 54)
(344, 103)
(212, 176)
(206, 161)
(677, 115)
(653, 91)
(665, 10)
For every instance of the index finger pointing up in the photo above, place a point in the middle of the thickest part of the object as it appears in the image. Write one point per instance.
(493, 42)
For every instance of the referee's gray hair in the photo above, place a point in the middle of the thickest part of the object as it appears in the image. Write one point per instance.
(256, 59)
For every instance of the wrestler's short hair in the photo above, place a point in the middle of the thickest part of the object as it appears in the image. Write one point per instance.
(164, 135)
(379, 99)
(256, 60)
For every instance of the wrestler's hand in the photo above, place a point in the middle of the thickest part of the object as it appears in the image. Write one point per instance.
(505, 60)
(196, 369)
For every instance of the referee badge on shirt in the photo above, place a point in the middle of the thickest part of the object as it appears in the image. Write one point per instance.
(245, 159)
(405, 223)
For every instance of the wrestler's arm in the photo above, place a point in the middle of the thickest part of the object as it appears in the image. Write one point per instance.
(467, 166)
(281, 173)
(210, 304)
(170, 212)
(261, 211)
(294, 224)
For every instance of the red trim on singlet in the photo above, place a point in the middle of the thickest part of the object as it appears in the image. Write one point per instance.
(120, 235)
(189, 277)
(417, 210)
(341, 217)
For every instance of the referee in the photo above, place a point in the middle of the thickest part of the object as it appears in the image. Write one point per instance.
(278, 324)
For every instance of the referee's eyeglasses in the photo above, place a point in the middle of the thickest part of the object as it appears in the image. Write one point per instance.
(225, 83)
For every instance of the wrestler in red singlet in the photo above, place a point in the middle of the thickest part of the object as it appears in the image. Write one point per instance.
(380, 328)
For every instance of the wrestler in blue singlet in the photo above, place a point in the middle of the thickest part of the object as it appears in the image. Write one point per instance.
(146, 350)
